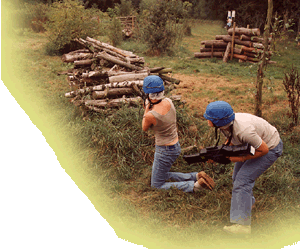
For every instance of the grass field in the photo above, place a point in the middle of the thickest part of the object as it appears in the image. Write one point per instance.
(117, 155)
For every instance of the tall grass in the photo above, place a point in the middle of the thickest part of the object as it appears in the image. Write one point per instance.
(120, 154)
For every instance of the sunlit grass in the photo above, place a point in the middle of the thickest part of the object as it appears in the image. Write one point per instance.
(120, 154)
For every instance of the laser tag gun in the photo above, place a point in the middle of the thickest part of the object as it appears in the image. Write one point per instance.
(219, 154)
(140, 93)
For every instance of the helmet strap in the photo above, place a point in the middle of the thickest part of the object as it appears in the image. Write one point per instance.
(217, 135)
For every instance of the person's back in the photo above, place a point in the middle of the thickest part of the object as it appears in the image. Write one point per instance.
(165, 128)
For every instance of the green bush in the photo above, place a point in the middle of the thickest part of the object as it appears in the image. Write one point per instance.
(160, 24)
(114, 31)
(69, 20)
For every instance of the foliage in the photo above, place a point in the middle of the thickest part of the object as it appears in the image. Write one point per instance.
(30, 16)
(114, 31)
(281, 29)
(291, 84)
(69, 20)
(159, 24)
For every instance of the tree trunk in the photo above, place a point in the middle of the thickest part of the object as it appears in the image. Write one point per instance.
(260, 71)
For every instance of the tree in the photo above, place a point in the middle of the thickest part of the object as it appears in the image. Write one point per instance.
(263, 63)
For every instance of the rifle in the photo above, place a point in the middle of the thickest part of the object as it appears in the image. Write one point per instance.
(219, 154)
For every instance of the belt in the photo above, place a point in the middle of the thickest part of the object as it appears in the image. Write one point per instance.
(169, 147)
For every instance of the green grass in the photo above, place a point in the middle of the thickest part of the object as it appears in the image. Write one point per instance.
(119, 155)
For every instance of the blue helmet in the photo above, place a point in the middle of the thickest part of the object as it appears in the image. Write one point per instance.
(220, 113)
(153, 84)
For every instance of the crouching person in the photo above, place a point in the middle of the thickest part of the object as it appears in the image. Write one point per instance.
(160, 116)
(242, 128)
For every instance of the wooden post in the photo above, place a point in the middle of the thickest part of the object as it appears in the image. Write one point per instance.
(232, 42)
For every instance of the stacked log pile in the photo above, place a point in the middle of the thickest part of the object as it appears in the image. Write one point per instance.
(104, 76)
(246, 44)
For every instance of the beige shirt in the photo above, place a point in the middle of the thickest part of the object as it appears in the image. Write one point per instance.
(252, 129)
(165, 129)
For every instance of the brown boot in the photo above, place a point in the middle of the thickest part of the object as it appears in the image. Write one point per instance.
(201, 183)
(208, 179)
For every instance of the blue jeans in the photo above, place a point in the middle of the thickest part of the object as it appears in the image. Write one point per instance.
(164, 157)
(244, 176)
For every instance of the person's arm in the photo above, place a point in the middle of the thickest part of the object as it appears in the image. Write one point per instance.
(148, 119)
(259, 152)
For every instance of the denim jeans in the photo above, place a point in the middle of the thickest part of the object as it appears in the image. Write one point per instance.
(164, 157)
(244, 176)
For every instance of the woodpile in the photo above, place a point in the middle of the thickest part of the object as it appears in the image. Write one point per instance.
(104, 76)
(244, 44)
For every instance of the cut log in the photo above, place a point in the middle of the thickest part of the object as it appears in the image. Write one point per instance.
(112, 93)
(112, 48)
(258, 45)
(83, 63)
(243, 57)
(226, 54)
(105, 56)
(215, 43)
(127, 77)
(215, 49)
(88, 90)
(118, 73)
(245, 31)
(253, 59)
(253, 39)
(222, 37)
(255, 50)
(169, 79)
(238, 41)
(114, 102)
(137, 60)
(71, 57)
(208, 54)
(95, 74)
(161, 70)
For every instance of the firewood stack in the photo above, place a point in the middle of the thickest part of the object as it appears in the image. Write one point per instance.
(104, 76)
(246, 44)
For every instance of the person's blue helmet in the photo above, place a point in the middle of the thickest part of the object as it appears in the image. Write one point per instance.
(220, 113)
(153, 84)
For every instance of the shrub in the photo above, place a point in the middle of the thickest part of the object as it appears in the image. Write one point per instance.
(69, 20)
(30, 16)
(291, 84)
(160, 24)
(115, 31)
